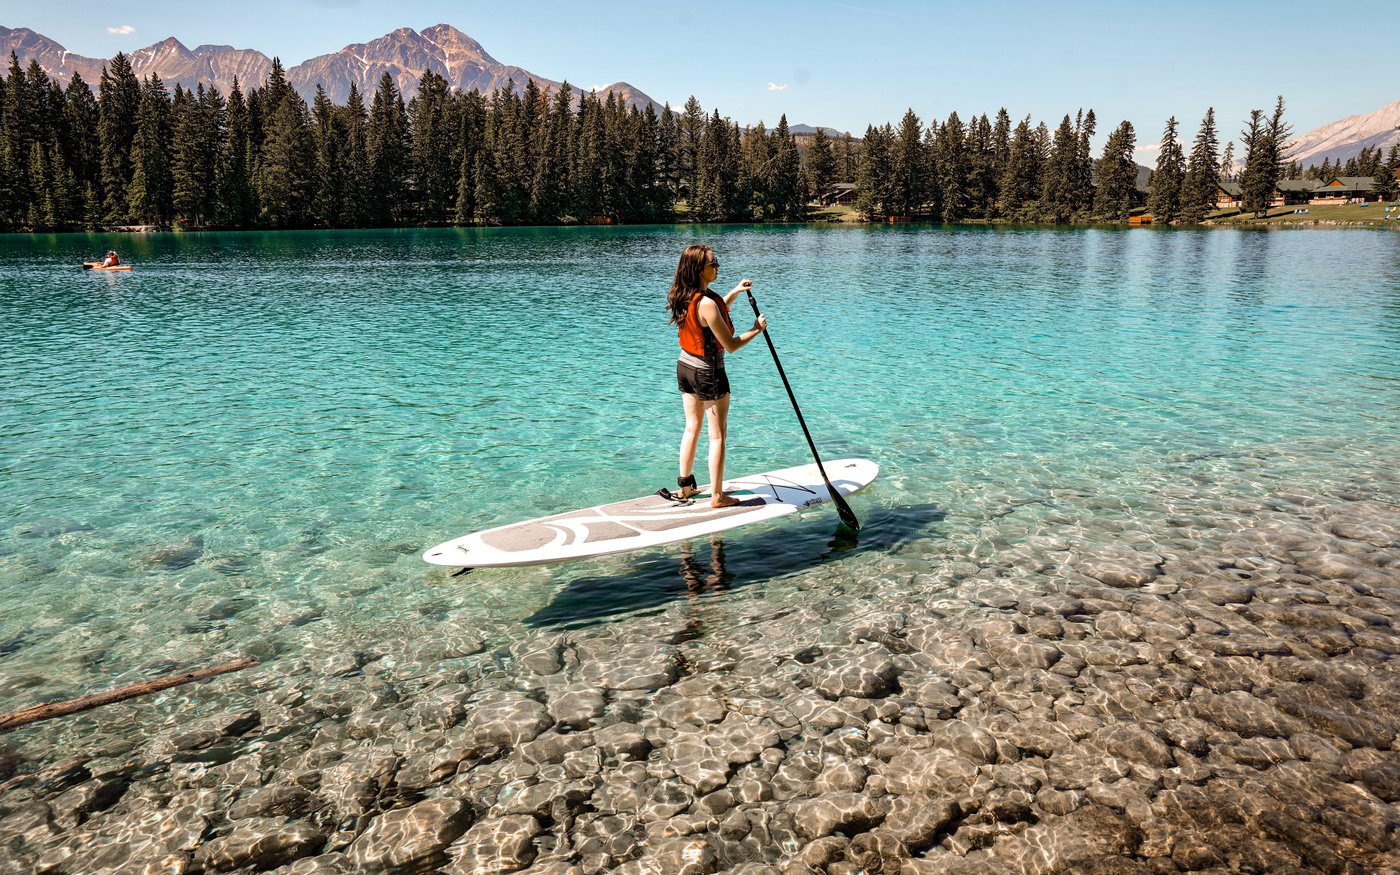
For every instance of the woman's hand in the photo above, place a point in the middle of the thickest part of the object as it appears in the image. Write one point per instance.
(743, 286)
(761, 323)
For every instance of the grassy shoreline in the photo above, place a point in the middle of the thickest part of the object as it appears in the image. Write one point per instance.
(1333, 215)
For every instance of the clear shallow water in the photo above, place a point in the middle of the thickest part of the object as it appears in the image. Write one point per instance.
(244, 444)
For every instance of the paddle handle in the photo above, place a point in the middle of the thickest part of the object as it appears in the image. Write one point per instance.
(843, 509)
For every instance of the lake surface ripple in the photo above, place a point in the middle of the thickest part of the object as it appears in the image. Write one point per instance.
(1127, 586)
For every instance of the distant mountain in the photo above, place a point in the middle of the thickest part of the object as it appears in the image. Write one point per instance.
(1346, 138)
(809, 129)
(404, 54)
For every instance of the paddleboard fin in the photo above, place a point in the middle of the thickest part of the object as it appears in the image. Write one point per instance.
(463, 571)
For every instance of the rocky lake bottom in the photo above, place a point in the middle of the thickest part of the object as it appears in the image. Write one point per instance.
(1204, 684)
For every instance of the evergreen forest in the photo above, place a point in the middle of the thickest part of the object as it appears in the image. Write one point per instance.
(134, 153)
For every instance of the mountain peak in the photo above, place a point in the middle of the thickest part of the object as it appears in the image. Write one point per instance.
(403, 53)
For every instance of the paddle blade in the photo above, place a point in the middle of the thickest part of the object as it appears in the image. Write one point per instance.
(843, 510)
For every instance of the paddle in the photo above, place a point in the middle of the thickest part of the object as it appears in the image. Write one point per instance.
(843, 509)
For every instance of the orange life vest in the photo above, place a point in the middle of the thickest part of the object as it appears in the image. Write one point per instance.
(695, 339)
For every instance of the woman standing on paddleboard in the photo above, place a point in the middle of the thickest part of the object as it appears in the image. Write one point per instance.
(706, 334)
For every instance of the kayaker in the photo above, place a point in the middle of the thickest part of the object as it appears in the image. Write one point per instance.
(111, 259)
(706, 333)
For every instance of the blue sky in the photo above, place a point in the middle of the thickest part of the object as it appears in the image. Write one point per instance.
(844, 64)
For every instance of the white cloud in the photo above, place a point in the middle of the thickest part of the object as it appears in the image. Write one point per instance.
(774, 86)
(123, 30)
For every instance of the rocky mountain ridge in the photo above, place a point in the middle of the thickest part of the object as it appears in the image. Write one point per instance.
(404, 54)
(1346, 138)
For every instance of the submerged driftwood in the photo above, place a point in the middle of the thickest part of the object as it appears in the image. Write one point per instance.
(35, 713)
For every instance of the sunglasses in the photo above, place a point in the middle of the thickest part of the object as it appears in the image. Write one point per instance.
(714, 262)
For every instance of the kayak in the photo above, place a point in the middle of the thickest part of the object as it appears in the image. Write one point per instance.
(97, 265)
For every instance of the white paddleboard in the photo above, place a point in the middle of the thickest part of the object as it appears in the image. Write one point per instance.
(624, 526)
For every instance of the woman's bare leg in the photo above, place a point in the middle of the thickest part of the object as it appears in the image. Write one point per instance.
(717, 412)
(689, 439)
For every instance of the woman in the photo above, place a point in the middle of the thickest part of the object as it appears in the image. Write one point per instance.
(706, 333)
(110, 259)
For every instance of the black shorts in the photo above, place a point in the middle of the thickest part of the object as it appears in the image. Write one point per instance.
(707, 384)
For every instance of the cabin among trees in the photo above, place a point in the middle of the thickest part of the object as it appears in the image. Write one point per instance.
(1229, 196)
(836, 194)
(1345, 190)
(1288, 192)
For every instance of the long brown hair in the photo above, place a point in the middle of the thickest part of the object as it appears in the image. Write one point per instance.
(689, 281)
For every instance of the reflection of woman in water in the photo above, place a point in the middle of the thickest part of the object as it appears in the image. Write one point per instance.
(697, 580)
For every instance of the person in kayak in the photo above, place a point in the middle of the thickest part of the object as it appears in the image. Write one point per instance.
(111, 259)
(706, 333)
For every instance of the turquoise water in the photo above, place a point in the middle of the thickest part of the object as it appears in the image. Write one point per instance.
(244, 444)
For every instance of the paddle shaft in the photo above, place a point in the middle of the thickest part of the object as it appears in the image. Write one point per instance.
(843, 509)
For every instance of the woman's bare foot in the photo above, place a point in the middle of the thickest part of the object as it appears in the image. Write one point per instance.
(722, 500)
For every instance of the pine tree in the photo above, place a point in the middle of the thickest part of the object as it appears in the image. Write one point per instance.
(1198, 189)
(1227, 163)
(234, 200)
(648, 196)
(1164, 191)
(1278, 133)
(982, 175)
(1020, 183)
(613, 194)
(148, 198)
(354, 120)
(875, 172)
(589, 166)
(717, 173)
(471, 114)
(1059, 193)
(9, 190)
(668, 155)
(18, 136)
(550, 185)
(199, 132)
(1256, 179)
(434, 166)
(1385, 185)
(119, 100)
(80, 146)
(846, 158)
(1084, 166)
(693, 126)
(330, 198)
(757, 151)
(908, 186)
(785, 188)
(821, 163)
(951, 168)
(39, 215)
(1117, 175)
(286, 165)
(387, 154)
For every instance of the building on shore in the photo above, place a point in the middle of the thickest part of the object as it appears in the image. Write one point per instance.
(837, 194)
(1345, 190)
(1289, 192)
(1229, 196)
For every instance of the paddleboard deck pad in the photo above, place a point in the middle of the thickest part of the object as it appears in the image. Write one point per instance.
(624, 526)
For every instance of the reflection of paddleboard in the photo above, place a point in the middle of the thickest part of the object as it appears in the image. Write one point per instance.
(97, 265)
(625, 526)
